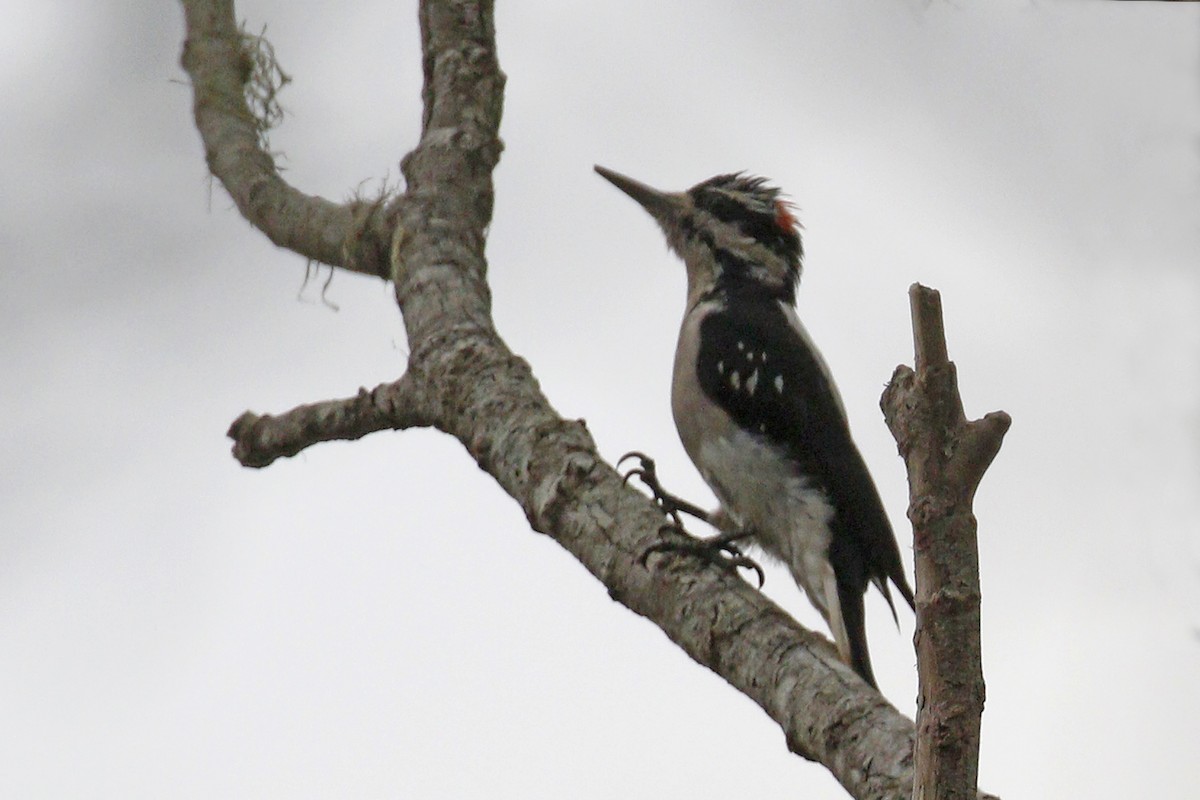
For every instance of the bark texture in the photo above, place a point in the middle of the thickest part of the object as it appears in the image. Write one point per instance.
(227, 67)
(462, 379)
(946, 456)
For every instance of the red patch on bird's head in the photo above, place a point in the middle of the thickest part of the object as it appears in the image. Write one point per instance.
(784, 217)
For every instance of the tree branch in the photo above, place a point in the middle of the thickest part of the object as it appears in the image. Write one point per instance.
(946, 457)
(551, 467)
(260, 439)
(222, 62)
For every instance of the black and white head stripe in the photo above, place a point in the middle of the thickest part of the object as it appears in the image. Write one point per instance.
(755, 208)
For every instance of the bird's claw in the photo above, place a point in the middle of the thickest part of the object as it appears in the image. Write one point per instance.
(647, 473)
(718, 550)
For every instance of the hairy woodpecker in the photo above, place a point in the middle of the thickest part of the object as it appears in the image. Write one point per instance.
(757, 410)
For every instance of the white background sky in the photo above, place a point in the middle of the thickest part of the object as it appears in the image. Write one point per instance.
(375, 619)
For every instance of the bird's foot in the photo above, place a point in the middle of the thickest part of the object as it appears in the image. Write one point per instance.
(670, 504)
(719, 550)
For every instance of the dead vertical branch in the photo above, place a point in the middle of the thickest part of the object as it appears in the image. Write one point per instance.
(946, 456)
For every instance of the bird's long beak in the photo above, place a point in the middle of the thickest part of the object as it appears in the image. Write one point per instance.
(659, 204)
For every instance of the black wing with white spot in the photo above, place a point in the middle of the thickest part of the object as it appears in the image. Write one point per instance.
(759, 368)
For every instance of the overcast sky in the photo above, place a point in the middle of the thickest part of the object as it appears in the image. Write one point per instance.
(375, 619)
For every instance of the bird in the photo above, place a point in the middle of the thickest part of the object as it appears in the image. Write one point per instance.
(757, 410)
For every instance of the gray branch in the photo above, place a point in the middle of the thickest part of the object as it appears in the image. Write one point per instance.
(260, 439)
(946, 457)
(222, 63)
